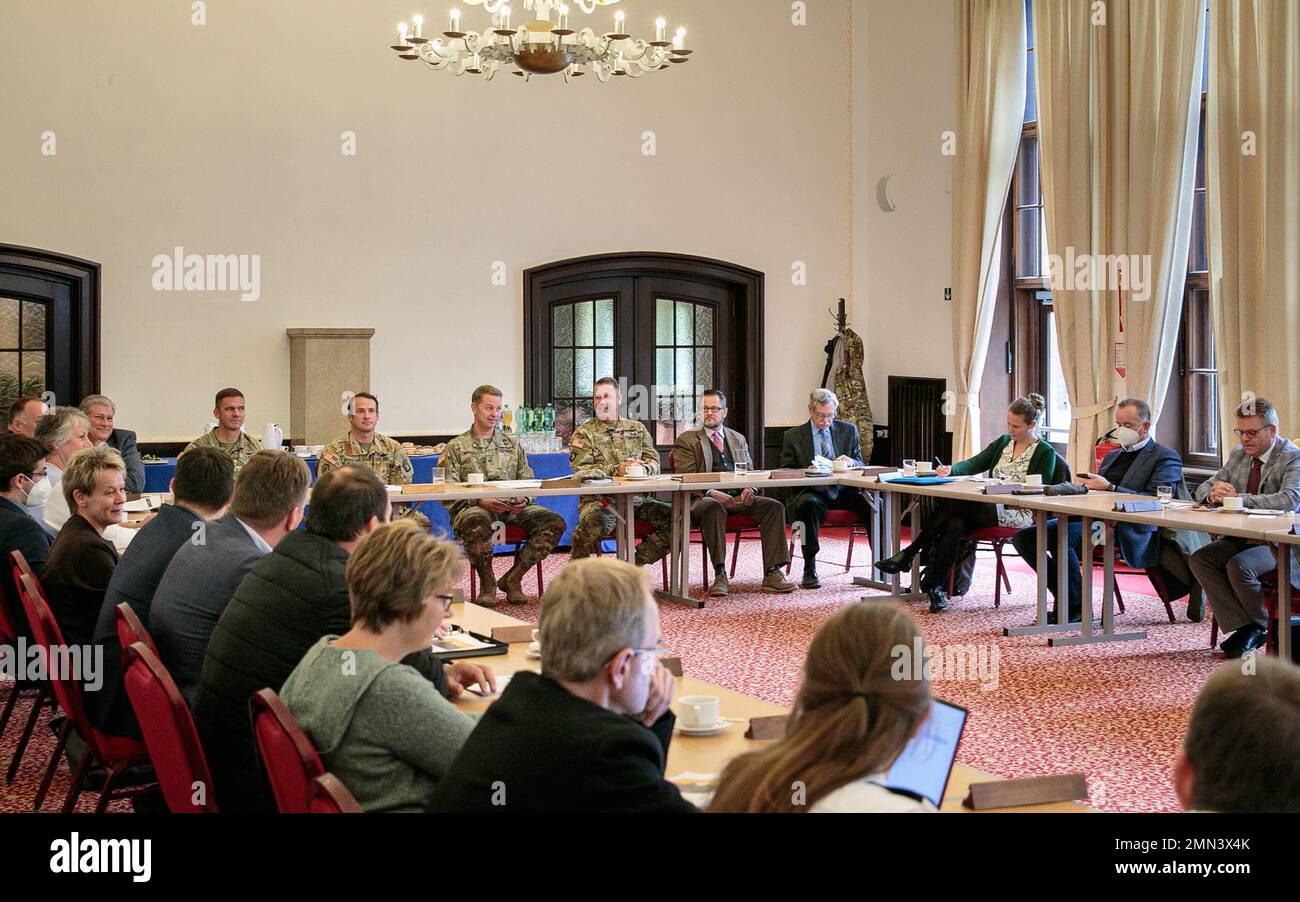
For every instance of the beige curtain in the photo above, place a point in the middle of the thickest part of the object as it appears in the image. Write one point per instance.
(990, 111)
(1253, 175)
(1117, 84)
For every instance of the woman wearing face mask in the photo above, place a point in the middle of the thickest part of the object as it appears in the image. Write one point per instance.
(65, 431)
(1014, 455)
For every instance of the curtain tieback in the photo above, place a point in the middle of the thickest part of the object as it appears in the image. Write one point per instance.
(1091, 410)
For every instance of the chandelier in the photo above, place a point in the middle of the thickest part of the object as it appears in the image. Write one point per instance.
(540, 48)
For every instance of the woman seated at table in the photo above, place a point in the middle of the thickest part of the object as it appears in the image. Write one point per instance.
(1014, 456)
(81, 562)
(851, 720)
(65, 431)
(381, 727)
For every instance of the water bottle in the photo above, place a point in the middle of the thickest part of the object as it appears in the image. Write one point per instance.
(505, 418)
(548, 426)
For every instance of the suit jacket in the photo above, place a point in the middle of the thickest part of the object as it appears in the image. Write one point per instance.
(1279, 484)
(1155, 465)
(124, 441)
(797, 453)
(134, 581)
(199, 583)
(693, 452)
(75, 578)
(19, 532)
(555, 752)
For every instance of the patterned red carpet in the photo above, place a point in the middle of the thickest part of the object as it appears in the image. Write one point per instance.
(1115, 712)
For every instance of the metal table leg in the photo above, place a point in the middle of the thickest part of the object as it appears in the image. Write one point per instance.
(1107, 634)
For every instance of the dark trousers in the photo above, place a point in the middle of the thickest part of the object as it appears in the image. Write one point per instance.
(943, 532)
(809, 509)
(1026, 543)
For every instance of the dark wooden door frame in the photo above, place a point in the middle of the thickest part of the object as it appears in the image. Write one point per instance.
(83, 316)
(746, 285)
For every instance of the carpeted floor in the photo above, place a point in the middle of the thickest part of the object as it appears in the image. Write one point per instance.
(1115, 712)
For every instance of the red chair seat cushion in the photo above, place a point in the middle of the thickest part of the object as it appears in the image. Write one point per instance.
(992, 533)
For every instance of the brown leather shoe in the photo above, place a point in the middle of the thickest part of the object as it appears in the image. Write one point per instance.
(776, 583)
(719, 587)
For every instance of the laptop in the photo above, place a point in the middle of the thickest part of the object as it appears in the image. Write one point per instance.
(926, 762)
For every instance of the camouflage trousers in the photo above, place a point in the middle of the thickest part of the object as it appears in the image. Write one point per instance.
(474, 526)
(411, 512)
(596, 521)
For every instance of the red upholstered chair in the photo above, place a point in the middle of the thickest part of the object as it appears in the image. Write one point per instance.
(114, 753)
(641, 529)
(1269, 583)
(742, 526)
(995, 537)
(168, 730)
(839, 519)
(328, 795)
(40, 695)
(130, 630)
(291, 761)
(516, 535)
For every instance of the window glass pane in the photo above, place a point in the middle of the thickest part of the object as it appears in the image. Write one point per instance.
(604, 362)
(8, 323)
(704, 368)
(9, 387)
(1058, 403)
(1200, 155)
(663, 321)
(562, 319)
(703, 325)
(584, 378)
(664, 369)
(584, 323)
(1031, 99)
(1203, 421)
(1043, 268)
(605, 322)
(33, 325)
(582, 411)
(33, 373)
(1199, 257)
(1200, 334)
(1027, 173)
(562, 373)
(685, 371)
(685, 324)
(1028, 232)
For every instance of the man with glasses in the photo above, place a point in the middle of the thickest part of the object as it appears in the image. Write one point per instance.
(1264, 472)
(822, 438)
(713, 448)
(22, 465)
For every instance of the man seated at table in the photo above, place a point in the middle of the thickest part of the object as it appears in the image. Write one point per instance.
(363, 445)
(496, 454)
(228, 435)
(291, 598)
(826, 438)
(23, 414)
(604, 447)
(1243, 741)
(1138, 467)
(713, 448)
(1264, 472)
(203, 575)
(100, 410)
(22, 465)
(591, 734)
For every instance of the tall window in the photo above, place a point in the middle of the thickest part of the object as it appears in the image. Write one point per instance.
(583, 352)
(684, 342)
(22, 348)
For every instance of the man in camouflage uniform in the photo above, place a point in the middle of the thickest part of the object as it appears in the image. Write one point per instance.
(605, 446)
(228, 436)
(497, 455)
(363, 445)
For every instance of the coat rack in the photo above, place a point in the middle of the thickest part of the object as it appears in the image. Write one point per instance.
(841, 318)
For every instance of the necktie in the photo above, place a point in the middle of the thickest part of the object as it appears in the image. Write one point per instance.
(717, 443)
(826, 444)
(1256, 470)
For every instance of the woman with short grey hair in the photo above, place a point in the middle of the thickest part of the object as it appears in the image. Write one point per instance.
(65, 431)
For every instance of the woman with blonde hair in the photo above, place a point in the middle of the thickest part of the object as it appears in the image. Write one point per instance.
(852, 718)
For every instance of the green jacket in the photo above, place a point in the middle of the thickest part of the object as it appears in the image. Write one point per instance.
(1045, 462)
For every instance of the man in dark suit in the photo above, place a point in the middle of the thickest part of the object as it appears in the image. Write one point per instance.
(100, 410)
(1138, 467)
(22, 465)
(204, 574)
(1264, 472)
(822, 438)
(201, 487)
(591, 734)
(713, 448)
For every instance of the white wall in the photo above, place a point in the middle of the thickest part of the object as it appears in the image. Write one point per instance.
(225, 139)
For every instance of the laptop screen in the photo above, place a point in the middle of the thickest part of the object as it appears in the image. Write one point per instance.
(926, 761)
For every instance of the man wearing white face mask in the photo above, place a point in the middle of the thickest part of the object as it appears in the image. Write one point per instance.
(1138, 467)
(22, 465)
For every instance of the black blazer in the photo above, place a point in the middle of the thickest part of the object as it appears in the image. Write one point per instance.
(75, 578)
(19, 532)
(550, 751)
(797, 446)
(134, 581)
(124, 441)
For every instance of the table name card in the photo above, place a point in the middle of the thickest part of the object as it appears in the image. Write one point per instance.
(1001, 489)
(1028, 791)
(772, 727)
(1133, 507)
(672, 665)
(512, 634)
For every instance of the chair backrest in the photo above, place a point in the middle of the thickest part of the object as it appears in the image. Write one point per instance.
(46, 633)
(328, 795)
(287, 754)
(8, 629)
(130, 631)
(168, 730)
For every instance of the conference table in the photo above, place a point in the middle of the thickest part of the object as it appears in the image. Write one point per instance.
(706, 755)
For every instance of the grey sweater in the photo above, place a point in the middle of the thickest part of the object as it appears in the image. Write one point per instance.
(380, 727)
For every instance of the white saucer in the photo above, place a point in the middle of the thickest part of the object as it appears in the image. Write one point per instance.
(530, 652)
(703, 731)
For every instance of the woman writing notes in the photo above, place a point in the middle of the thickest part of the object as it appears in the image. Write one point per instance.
(1014, 456)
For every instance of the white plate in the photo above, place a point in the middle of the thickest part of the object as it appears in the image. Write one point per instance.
(703, 731)
(528, 652)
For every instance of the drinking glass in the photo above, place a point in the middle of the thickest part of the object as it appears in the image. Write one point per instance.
(909, 466)
(742, 470)
(439, 474)
(1165, 493)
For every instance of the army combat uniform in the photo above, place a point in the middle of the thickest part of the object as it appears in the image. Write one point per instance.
(240, 451)
(595, 451)
(384, 455)
(498, 457)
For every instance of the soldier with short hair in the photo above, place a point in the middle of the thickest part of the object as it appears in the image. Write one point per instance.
(605, 446)
(228, 435)
(363, 445)
(487, 449)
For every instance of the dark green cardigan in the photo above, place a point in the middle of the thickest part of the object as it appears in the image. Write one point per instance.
(1045, 462)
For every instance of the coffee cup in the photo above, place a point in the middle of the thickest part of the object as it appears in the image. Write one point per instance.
(840, 466)
(909, 471)
(698, 712)
(1233, 503)
(537, 635)
(636, 471)
(1034, 479)
(474, 478)
(924, 468)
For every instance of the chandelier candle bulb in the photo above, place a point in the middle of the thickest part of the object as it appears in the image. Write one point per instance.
(618, 21)
(455, 21)
(505, 18)
(660, 29)
(564, 17)
(419, 25)
(401, 33)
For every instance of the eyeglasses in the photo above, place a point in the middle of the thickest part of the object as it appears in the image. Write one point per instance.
(1249, 433)
(657, 649)
(823, 416)
(447, 601)
(713, 409)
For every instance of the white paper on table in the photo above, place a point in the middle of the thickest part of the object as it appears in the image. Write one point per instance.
(142, 504)
(502, 683)
(514, 484)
